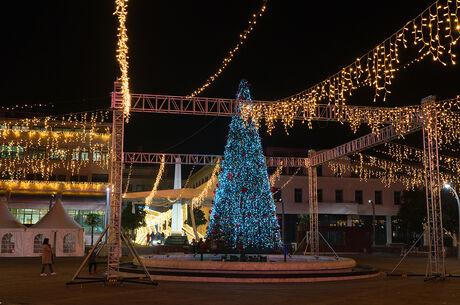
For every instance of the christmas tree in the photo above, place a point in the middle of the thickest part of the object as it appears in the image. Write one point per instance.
(243, 214)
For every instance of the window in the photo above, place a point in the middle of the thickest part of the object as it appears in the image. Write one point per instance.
(397, 197)
(97, 156)
(75, 154)
(61, 178)
(8, 243)
(319, 170)
(84, 154)
(105, 155)
(74, 178)
(359, 196)
(139, 188)
(38, 242)
(378, 197)
(32, 152)
(319, 193)
(100, 178)
(69, 243)
(58, 154)
(41, 155)
(292, 170)
(12, 151)
(83, 178)
(297, 195)
(338, 195)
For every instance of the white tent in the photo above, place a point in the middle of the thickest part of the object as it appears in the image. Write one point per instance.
(11, 233)
(64, 233)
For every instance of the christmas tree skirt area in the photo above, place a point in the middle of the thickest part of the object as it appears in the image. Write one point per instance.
(254, 268)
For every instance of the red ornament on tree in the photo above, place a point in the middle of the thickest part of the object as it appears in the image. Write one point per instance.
(249, 214)
(240, 246)
(244, 190)
(272, 189)
(237, 226)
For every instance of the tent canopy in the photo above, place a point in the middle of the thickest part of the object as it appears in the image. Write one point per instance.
(56, 218)
(7, 220)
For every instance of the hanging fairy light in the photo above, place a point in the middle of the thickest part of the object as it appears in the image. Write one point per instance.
(197, 201)
(122, 54)
(43, 145)
(432, 33)
(148, 199)
(228, 59)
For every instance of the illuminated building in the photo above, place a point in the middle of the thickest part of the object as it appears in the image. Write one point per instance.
(49, 158)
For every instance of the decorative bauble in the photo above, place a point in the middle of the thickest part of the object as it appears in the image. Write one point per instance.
(237, 226)
(249, 214)
(244, 190)
(240, 246)
(272, 189)
(217, 185)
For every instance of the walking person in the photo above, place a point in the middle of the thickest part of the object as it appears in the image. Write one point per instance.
(47, 257)
(92, 263)
(148, 239)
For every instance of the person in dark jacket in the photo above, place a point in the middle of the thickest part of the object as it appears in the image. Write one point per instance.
(47, 257)
(92, 263)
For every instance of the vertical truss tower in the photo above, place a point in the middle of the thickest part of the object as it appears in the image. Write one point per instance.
(116, 174)
(436, 264)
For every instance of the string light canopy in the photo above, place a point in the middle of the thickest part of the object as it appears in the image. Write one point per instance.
(121, 11)
(434, 32)
(43, 145)
(149, 198)
(228, 59)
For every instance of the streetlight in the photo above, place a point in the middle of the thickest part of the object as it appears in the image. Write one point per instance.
(449, 187)
(282, 227)
(373, 222)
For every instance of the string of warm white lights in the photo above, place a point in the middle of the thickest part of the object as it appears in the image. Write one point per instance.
(53, 186)
(43, 145)
(433, 32)
(228, 59)
(128, 180)
(288, 181)
(276, 175)
(122, 54)
(25, 106)
(198, 201)
(388, 172)
(182, 189)
(148, 199)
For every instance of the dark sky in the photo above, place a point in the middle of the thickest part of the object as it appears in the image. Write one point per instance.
(63, 52)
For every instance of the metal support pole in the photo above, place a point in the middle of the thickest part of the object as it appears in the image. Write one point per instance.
(449, 187)
(284, 227)
(374, 221)
(313, 207)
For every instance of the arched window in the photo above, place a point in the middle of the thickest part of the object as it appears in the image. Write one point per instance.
(38, 242)
(69, 243)
(8, 243)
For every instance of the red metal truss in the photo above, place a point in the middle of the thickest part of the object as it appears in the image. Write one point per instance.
(382, 136)
(197, 159)
(151, 103)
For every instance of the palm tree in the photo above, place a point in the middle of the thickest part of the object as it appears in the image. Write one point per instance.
(93, 220)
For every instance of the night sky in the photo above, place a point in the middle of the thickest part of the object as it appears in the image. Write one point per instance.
(63, 52)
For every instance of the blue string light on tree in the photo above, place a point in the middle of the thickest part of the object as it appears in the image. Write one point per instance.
(243, 214)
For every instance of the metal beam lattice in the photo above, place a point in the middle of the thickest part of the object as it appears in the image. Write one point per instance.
(436, 259)
(116, 174)
(151, 103)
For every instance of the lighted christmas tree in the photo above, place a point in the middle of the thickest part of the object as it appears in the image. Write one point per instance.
(243, 214)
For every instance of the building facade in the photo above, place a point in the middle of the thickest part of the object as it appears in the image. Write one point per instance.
(43, 159)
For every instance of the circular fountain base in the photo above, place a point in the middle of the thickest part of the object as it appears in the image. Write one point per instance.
(187, 267)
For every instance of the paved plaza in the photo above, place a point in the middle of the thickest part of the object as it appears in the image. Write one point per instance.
(20, 283)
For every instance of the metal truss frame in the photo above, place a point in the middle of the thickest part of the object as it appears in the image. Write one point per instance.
(226, 107)
(436, 258)
(170, 104)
